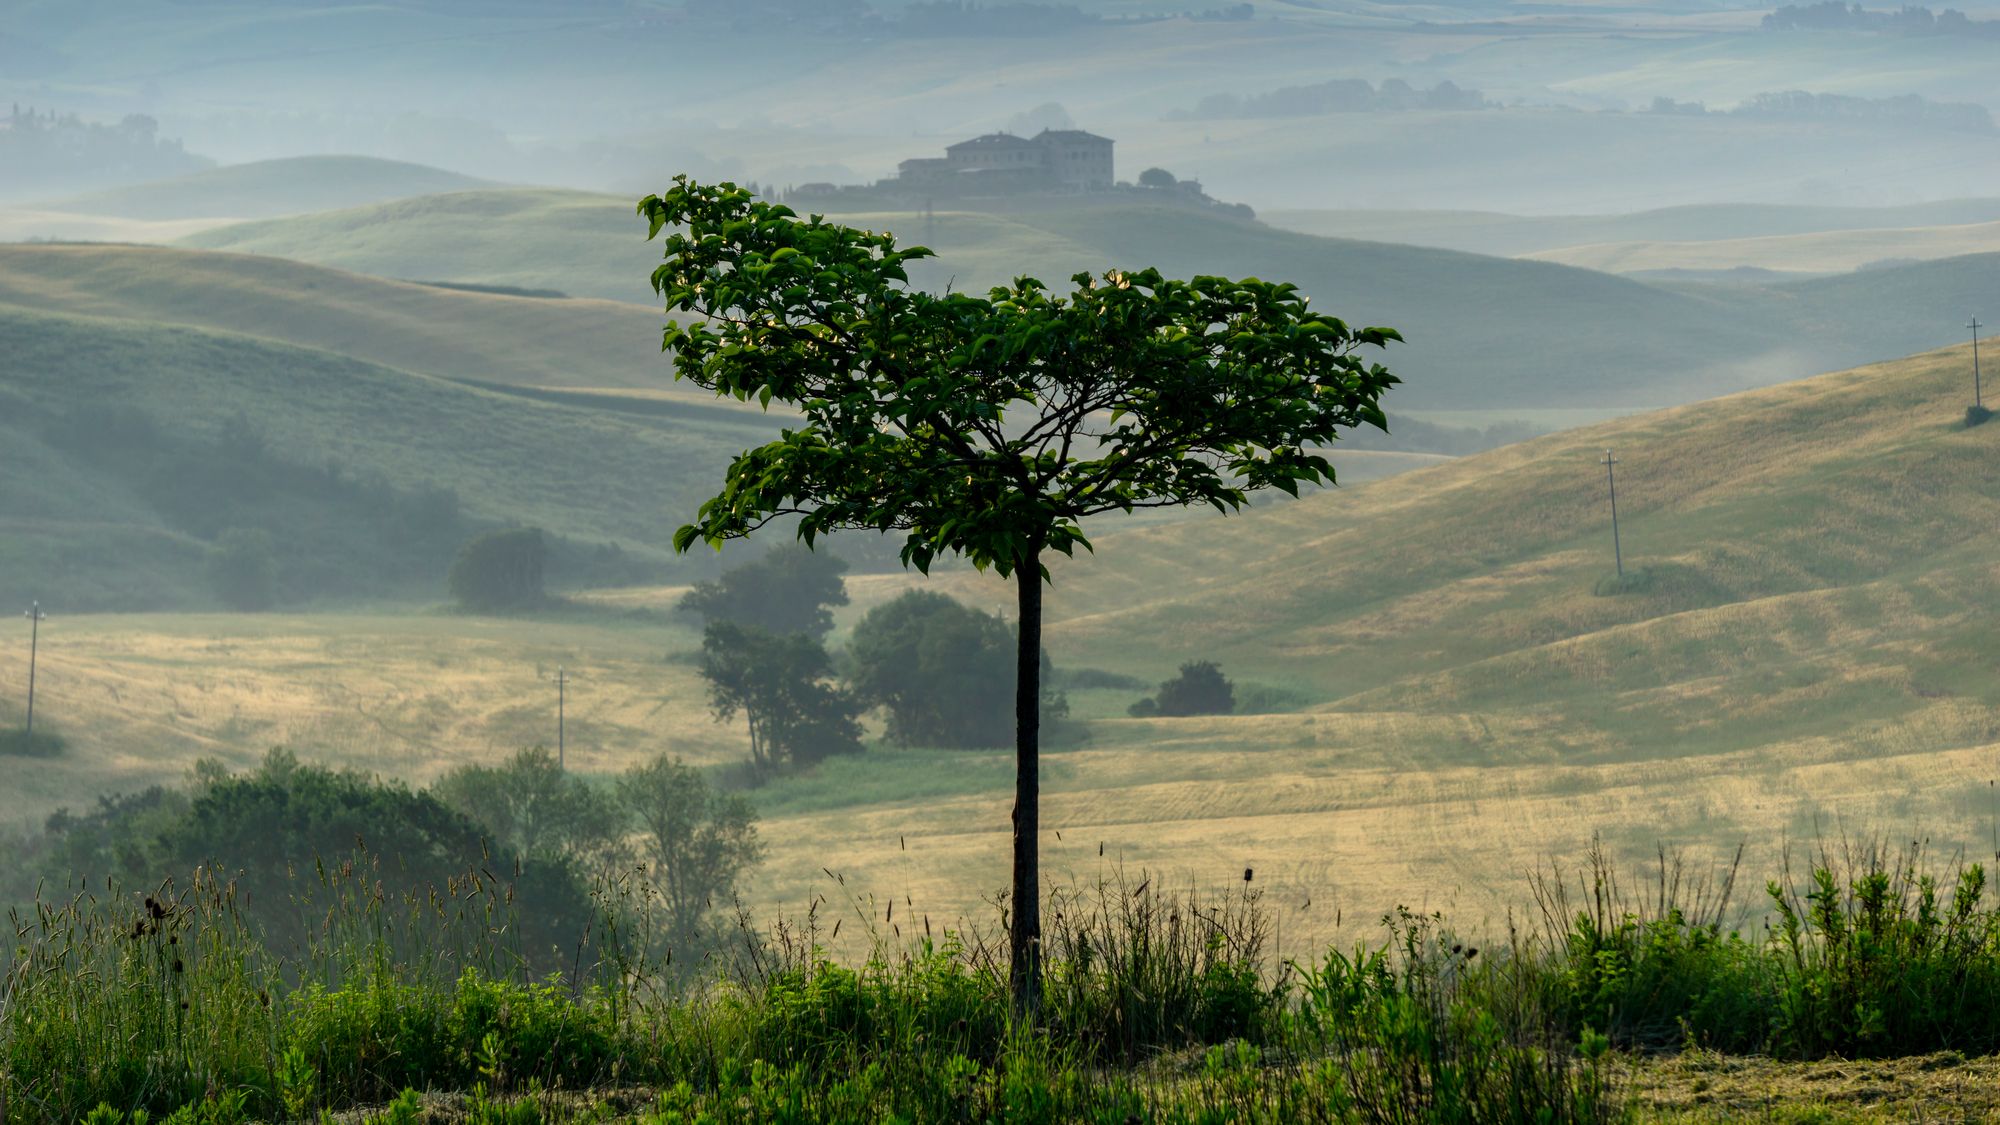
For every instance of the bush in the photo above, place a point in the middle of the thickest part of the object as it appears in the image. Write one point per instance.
(500, 571)
(243, 570)
(1976, 416)
(1200, 689)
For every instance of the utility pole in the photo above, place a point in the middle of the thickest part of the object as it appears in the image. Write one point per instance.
(1611, 479)
(35, 618)
(562, 692)
(1975, 363)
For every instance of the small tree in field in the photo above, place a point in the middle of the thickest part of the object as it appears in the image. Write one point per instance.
(500, 570)
(989, 426)
(695, 841)
(781, 684)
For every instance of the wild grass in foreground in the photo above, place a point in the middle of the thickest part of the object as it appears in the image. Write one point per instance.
(1161, 1007)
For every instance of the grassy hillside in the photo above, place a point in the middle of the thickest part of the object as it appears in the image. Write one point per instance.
(1484, 332)
(1828, 252)
(491, 338)
(1510, 235)
(265, 188)
(131, 447)
(582, 243)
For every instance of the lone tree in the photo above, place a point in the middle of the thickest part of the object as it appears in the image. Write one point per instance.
(989, 427)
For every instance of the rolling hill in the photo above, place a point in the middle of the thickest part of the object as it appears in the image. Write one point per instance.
(1821, 253)
(265, 188)
(1484, 332)
(130, 447)
(1485, 232)
(486, 337)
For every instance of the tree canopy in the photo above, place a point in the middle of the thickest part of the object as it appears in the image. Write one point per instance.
(789, 589)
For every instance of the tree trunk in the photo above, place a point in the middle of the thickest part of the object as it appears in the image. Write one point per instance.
(1025, 940)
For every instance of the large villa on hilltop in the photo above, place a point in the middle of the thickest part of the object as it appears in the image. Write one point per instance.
(1052, 160)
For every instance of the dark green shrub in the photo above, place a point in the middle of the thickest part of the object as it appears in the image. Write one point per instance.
(1977, 416)
(500, 571)
(1200, 689)
(1875, 956)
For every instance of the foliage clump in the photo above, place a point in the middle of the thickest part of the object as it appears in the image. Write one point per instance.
(1199, 689)
(783, 685)
(789, 589)
(943, 671)
(500, 571)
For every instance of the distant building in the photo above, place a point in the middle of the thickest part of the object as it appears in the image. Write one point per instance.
(1052, 160)
(1003, 172)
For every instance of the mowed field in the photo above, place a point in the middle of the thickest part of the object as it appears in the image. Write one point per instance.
(1807, 648)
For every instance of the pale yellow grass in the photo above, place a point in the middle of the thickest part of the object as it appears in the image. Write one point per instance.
(1335, 844)
(140, 698)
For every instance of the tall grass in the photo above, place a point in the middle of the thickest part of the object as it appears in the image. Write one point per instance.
(1869, 950)
(1162, 1006)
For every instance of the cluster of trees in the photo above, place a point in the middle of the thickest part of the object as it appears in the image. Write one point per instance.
(288, 833)
(1834, 15)
(1905, 110)
(1340, 95)
(49, 151)
(942, 672)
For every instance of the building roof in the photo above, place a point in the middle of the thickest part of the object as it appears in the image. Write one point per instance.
(994, 140)
(1073, 136)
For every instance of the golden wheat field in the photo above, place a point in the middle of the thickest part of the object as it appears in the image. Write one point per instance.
(1804, 649)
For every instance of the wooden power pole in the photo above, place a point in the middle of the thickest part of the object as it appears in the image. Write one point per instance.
(562, 693)
(1975, 364)
(35, 618)
(1611, 479)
